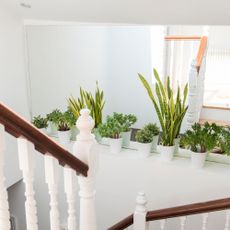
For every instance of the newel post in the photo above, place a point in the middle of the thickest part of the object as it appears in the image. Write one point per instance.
(86, 149)
(139, 219)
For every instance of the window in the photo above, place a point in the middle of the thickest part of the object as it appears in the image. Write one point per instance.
(217, 78)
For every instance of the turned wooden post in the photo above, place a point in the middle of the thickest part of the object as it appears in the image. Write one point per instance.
(4, 206)
(192, 115)
(51, 176)
(26, 164)
(139, 222)
(86, 149)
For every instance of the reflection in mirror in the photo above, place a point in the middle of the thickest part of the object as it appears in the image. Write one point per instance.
(64, 58)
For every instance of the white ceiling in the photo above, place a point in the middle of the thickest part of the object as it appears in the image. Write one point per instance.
(208, 12)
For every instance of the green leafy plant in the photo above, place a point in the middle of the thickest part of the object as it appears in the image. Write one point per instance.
(201, 138)
(126, 120)
(224, 140)
(64, 121)
(40, 122)
(144, 136)
(153, 128)
(53, 115)
(170, 110)
(76, 105)
(112, 128)
(95, 103)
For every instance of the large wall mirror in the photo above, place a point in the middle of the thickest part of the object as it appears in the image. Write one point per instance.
(63, 58)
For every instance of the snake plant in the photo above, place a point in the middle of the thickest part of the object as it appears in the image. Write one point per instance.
(75, 105)
(95, 103)
(170, 108)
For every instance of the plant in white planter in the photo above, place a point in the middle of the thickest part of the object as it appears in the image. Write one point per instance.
(64, 122)
(170, 110)
(126, 121)
(112, 129)
(223, 141)
(154, 130)
(52, 128)
(144, 137)
(200, 140)
(95, 103)
(40, 122)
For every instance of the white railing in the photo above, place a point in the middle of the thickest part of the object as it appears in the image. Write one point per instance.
(84, 149)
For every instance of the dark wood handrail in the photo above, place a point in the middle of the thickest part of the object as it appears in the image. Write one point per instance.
(201, 52)
(182, 38)
(185, 210)
(19, 127)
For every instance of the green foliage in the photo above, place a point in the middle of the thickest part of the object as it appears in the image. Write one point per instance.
(224, 140)
(112, 128)
(40, 122)
(76, 105)
(153, 128)
(95, 103)
(170, 110)
(144, 136)
(53, 115)
(200, 138)
(126, 120)
(64, 121)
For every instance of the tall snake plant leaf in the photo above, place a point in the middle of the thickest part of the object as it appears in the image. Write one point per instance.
(149, 90)
(170, 110)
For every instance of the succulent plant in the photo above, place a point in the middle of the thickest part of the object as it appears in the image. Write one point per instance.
(40, 122)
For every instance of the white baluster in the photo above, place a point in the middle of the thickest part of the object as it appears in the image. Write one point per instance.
(71, 191)
(86, 149)
(4, 205)
(204, 221)
(139, 222)
(26, 165)
(183, 222)
(162, 224)
(192, 96)
(51, 174)
(227, 224)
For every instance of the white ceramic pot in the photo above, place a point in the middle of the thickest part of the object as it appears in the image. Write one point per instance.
(144, 149)
(43, 130)
(126, 136)
(97, 135)
(166, 152)
(73, 133)
(52, 129)
(198, 159)
(154, 144)
(177, 145)
(115, 145)
(64, 137)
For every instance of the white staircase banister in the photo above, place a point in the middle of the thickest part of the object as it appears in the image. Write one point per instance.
(86, 149)
(139, 218)
(4, 205)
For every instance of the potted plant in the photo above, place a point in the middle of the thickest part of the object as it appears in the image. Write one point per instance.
(170, 110)
(112, 130)
(126, 121)
(154, 130)
(95, 103)
(200, 140)
(52, 128)
(40, 122)
(144, 137)
(64, 122)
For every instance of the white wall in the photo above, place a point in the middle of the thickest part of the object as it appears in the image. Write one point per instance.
(13, 90)
(61, 60)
